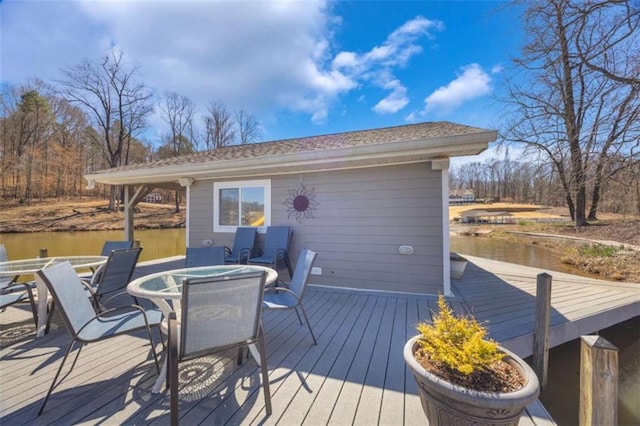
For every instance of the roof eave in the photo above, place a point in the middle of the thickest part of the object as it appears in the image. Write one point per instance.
(330, 159)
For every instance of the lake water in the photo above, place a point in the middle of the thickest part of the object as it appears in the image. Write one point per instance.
(155, 243)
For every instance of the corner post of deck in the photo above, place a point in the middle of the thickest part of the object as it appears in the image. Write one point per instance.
(541, 328)
(598, 382)
(442, 165)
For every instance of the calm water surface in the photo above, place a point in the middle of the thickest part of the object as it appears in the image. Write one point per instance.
(155, 243)
(509, 251)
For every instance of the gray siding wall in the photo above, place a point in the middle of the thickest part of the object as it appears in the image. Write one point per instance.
(362, 217)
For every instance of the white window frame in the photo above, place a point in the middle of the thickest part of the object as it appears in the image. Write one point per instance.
(217, 186)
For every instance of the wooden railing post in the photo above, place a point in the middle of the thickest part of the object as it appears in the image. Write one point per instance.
(541, 328)
(598, 382)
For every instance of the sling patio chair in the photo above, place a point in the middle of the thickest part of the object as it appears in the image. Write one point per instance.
(107, 248)
(110, 246)
(219, 313)
(275, 253)
(113, 277)
(12, 292)
(243, 243)
(290, 297)
(81, 320)
(204, 256)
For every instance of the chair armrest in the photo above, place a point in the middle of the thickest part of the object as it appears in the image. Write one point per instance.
(97, 274)
(92, 293)
(281, 289)
(254, 252)
(113, 296)
(112, 310)
(14, 287)
(87, 285)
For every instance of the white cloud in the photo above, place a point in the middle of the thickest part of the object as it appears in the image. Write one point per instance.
(473, 83)
(262, 56)
(376, 65)
(395, 101)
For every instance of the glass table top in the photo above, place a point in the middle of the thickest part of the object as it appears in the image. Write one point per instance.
(168, 284)
(29, 266)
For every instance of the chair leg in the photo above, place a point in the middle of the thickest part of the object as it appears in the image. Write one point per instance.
(53, 383)
(32, 301)
(298, 314)
(315, 342)
(289, 268)
(172, 371)
(52, 308)
(265, 374)
(164, 346)
(153, 348)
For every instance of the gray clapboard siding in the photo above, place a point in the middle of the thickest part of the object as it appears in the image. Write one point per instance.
(362, 217)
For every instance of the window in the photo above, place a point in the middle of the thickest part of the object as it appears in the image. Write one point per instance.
(242, 203)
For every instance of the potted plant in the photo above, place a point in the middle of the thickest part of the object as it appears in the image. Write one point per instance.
(463, 377)
(458, 264)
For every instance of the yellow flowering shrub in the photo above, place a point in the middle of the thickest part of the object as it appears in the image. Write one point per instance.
(458, 342)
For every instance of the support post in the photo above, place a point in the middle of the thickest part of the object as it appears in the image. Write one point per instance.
(598, 382)
(42, 253)
(541, 328)
(128, 215)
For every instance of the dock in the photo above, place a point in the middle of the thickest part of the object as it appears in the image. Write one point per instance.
(355, 375)
(502, 296)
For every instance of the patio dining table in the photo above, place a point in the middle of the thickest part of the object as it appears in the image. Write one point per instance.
(17, 268)
(164, 289)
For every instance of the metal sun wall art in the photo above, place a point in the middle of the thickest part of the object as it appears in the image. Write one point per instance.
(301, 203)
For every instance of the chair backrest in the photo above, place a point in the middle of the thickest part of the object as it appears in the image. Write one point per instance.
(117, 272)
(204, 256)
(302, 272)
(69, 295)
(110, 246)
(4, 280)
(220, 311)
(244, 241)
(278, 237)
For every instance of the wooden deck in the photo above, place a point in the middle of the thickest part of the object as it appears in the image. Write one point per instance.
(502, 296)
(355, 375)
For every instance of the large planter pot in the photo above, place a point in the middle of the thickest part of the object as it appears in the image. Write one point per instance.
(457, 267)
(448, 404)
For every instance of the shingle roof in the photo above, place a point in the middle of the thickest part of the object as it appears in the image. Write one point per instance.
(410, 132)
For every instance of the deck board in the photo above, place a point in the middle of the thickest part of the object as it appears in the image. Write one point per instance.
(502, 296)
(355, 375)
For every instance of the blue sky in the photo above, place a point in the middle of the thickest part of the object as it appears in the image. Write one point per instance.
(300, 67)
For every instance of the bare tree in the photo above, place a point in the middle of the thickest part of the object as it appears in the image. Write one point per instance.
(248, 127)
(178, 112)
(115, 103)
(566, 111)
(608, 38)
(219, 125)
(69, 150)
